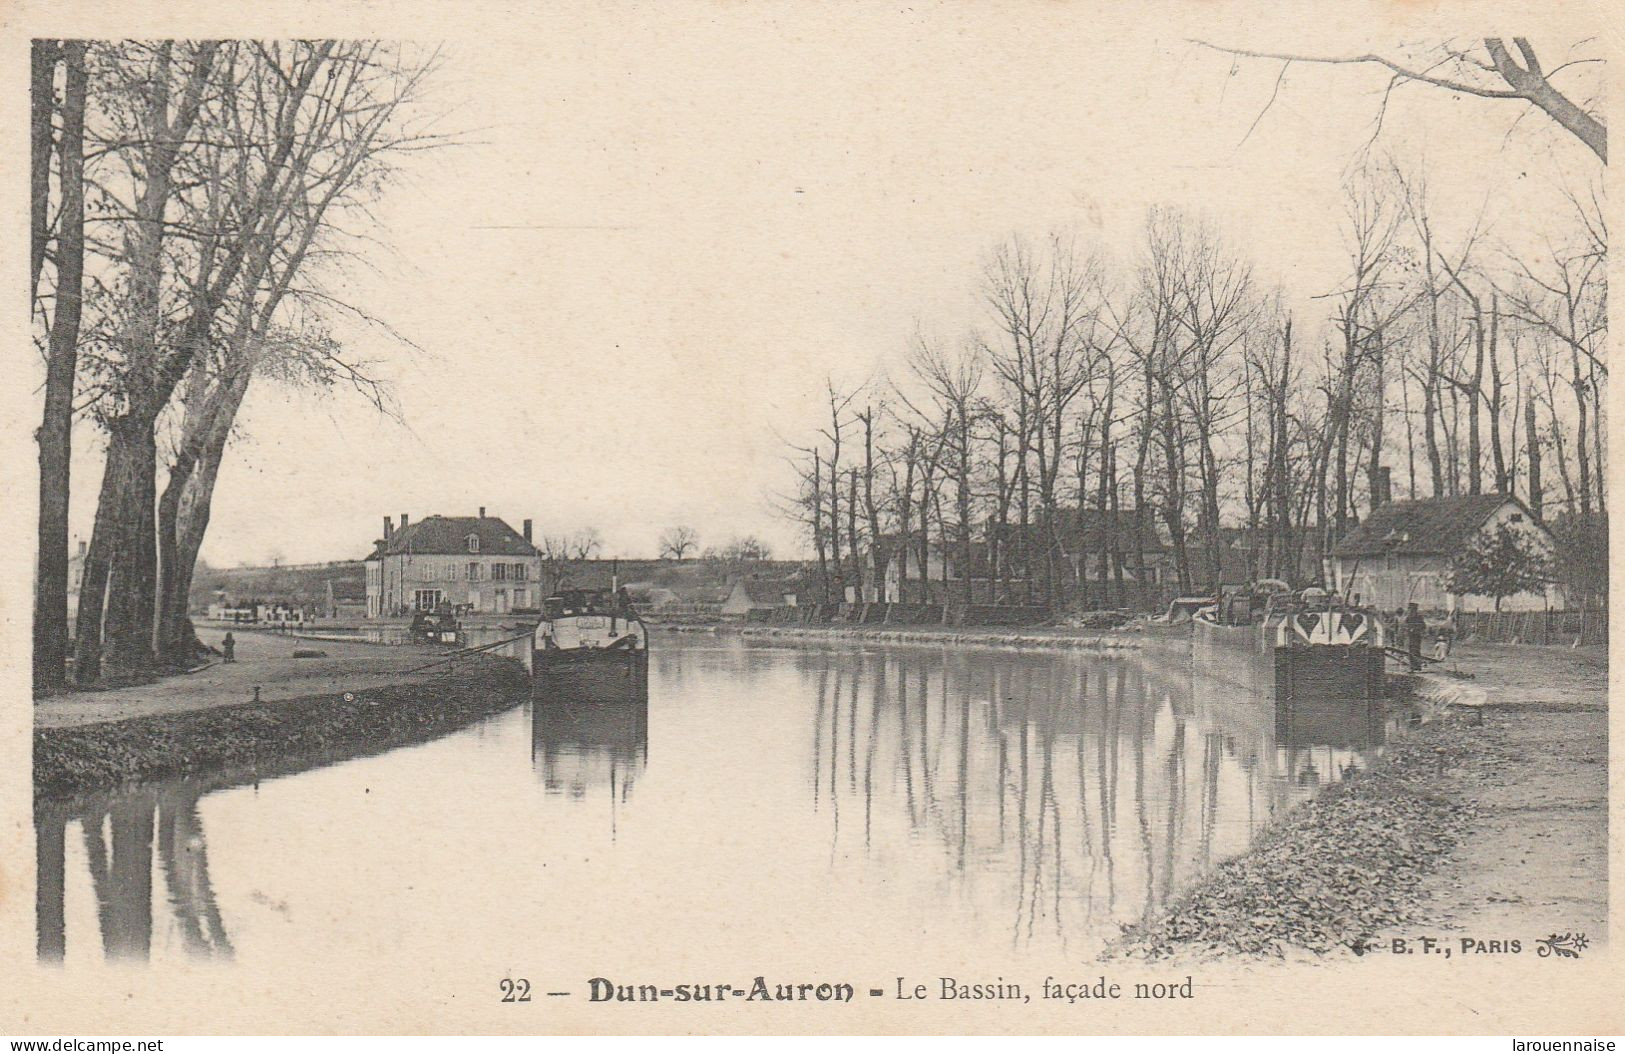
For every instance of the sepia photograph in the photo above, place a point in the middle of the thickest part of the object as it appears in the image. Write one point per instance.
(773, 518)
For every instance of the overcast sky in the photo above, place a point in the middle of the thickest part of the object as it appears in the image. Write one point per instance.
(671, 222)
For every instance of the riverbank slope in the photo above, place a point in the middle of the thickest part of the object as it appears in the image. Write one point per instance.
(358, 699)
(1489, 821)
(264, 661)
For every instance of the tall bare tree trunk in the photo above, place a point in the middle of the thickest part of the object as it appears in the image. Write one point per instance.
(852, 535)
(44, 56)
(56, 426)
(1578, 383)
(1502, 485)
(180, 521)
(100, 582)
(1597, 429)
(818, 523)
(1108, 524)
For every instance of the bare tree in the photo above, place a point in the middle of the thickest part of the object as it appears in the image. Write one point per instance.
(952, 381)
(62, 335)
(221, 165)
(677, 542)
(1485, 69)
(1564, 300)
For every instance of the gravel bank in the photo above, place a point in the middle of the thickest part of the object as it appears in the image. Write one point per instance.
(1489, 819)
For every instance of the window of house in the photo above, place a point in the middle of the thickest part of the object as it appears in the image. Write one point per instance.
(473, 571)
(499, 571)
(1516, 517)
(473, 543)
(521, 598)
(521, 572)
(428, 599)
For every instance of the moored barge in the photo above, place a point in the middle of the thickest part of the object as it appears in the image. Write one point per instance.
(590, 646)
(1314, 642)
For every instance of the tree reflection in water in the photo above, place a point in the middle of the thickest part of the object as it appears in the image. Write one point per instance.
(1012, 764)
(121, 834)
(1046, 797)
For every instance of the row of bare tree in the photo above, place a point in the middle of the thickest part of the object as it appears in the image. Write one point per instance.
(192, 203)
(1160, 403)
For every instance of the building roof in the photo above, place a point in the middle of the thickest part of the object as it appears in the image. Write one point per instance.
(1426, 527)
(448, 535)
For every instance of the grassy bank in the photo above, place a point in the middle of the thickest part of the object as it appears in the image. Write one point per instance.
(273, 735)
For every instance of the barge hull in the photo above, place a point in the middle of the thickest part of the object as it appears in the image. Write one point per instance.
(1350, 671)
(590, 676)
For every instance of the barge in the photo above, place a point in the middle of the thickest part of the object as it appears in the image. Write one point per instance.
(590, 646)
(1312, 642)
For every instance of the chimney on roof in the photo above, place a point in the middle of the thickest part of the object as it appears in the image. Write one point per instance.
(482, 512)
(526, 531)
(1382, 487)
(389, 527)
(403, 521)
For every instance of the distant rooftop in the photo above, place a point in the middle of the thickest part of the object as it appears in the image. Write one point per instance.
(1425, 527)
(448, 535)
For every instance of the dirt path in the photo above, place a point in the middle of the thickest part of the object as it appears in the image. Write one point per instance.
(263, 659)
(1535, 860)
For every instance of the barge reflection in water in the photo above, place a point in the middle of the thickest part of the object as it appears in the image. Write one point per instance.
(918, 796)
(580, 746)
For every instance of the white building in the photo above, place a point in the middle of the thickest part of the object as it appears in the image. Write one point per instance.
(473, 564)
(1401, 554)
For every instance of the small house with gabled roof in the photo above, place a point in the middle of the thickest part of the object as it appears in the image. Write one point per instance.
(1402, 553)
(465, 564)
(755, 594)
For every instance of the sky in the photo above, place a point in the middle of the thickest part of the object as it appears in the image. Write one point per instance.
(666, 225)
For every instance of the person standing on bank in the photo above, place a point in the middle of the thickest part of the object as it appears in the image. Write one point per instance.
(228, 647)
(1415, 627)
(1445, 638)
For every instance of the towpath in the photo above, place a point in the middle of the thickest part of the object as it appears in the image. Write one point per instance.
(264, 660)
(1536, 860)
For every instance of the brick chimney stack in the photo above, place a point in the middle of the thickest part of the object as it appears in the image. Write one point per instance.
(482, 512)
(389, 527)
(526, 531)
(403, 521)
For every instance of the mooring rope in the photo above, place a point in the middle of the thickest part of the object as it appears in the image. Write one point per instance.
(463, 653)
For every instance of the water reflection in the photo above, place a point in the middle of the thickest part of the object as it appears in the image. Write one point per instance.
(959, 796)
(1093, 791)
(1317, 735)
(577, 748)
(122, 835)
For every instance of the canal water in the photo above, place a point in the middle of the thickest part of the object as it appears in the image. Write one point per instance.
(766, 798)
